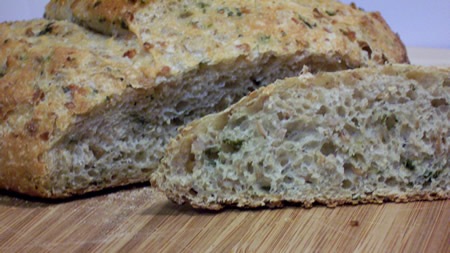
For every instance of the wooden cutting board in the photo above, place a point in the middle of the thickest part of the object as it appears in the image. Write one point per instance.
(138, 219)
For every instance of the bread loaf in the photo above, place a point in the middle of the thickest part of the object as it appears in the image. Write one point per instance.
(81, 111)
(190, 32)
(361, 136)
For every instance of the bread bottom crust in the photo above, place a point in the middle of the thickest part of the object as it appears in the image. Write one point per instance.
(331, 203)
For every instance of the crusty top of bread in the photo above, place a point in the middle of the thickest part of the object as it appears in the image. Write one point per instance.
(187, 33)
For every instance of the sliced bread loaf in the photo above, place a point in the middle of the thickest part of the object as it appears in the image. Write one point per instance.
(81, 112)
(360, 136)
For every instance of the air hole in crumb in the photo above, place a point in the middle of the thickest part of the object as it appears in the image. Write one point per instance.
(405, 131)
(355, 121)
(92, 173)
(346, 184)
(439, 102)
(146, 170)
(340, 111)
(358, 157)
(250, 168)
(350, 129)
(284, 160)
(411, 94)
(181, 106)
(97, 151)
(348, 169)
(328, 148)
(193, 192)
(190, 164)
(283, 116)
(177, 121)
(391, 182)
(365, 47)
(264, 184)
(288, 180)
(347, 102)
(265, 188)
(140, 156)
(358, 94)
(391, 121)
(231, 85)
(236, 122)
(322, 110)
(212, 153)
(381, 179)
(446, 82)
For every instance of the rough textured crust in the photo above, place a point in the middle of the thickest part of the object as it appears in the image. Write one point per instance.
(378, 199)
(184, 177)
(193, 32)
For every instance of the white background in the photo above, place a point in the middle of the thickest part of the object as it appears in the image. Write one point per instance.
(420, 23)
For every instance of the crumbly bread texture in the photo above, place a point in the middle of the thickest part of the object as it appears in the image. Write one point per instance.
(360, 136)
(81, 111)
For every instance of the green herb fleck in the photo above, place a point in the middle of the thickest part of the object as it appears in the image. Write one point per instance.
(330, 13)
(436, 174)
(235, 144)
(264, 38)
(47, 29)
(66, 89)
(427, 174)
(238, 12)
(390, 121)
(230, 11)
(306, 22)
(203, 6)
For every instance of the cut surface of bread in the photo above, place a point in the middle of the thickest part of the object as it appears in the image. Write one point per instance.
(81, 111)
(359, 136)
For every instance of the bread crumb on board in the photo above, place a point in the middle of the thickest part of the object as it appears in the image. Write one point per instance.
(354, 223)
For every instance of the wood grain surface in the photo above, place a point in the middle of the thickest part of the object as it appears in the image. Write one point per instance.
(138, 219)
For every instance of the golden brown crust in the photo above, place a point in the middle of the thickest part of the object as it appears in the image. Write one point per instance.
(105, 16)
(191, 32)
(38, 106)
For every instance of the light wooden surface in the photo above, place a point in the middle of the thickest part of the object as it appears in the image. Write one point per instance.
(142, 220)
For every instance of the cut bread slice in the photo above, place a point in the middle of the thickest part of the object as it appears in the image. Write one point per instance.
(359, 136)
